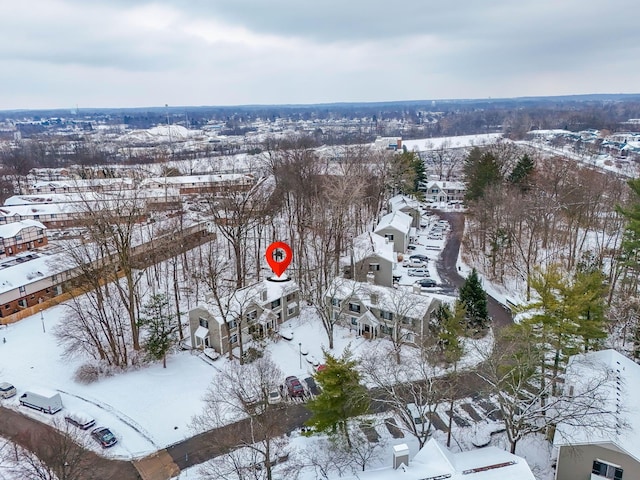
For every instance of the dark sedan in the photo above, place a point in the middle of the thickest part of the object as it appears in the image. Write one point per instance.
(104, 437)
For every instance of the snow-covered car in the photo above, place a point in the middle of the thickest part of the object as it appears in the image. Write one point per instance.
(286, 334)
(7, 390)
(418, 256)
(414, 263)
(80, 420)
(418, 272)
(211, 353)
(274, 397)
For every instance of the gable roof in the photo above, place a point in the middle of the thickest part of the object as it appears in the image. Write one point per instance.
(369, 244)
(10, 230)
(621, 397)
(398, 220)
(400, 201)
(240, 300)
(389, 299)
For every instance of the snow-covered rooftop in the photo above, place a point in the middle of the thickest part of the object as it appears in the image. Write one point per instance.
(10, 230)
(622, 396)
(262, 293)
(434, 461)
(389, 299)
(398, 220)
(28, 267)
(400, 201)
(446, 184)
(369, 244)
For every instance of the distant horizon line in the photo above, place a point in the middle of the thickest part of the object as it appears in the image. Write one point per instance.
(165, 107)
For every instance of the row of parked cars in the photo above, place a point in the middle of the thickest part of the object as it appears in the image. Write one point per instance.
(51, 403)
(294, 388)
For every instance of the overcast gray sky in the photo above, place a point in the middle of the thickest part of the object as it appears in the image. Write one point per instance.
(127, 53)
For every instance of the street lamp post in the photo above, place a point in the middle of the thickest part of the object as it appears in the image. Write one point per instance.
(300, 353)
(42, 320)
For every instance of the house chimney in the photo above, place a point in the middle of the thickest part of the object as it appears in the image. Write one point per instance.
(371, 278)
(263, 295)
(373, 297)
(400, 455)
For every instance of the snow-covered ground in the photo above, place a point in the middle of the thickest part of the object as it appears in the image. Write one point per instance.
(461, 141)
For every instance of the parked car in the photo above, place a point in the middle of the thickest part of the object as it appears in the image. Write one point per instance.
(7, 390)
(427, 282)
(294, 387)
(43, 400)
(414, 262)
(417, 256)
(104, 437)
(412, 247)
(80, 420)
(274, 397)
(311, 386)
(419, 272)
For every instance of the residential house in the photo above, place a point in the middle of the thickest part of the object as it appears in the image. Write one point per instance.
(440, 191)
(253, 311)
(406, 205)
(19, 236)
(372, 258)
(435, 462)
(396, 226)
(600, 453)
(203, 184)
(374, 311)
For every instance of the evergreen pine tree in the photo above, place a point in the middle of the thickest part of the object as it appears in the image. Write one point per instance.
(474, 299)
(161, 327)
(341, 398)
(481, 171)
(521, 173)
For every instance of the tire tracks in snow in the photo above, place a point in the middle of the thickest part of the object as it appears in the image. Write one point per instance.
(121, 416)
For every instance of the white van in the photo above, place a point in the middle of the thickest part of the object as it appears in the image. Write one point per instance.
(419, 272)
(7, 390)
(44, 400)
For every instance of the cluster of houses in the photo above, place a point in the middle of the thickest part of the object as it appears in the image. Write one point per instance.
(62, 203)
(620, 145)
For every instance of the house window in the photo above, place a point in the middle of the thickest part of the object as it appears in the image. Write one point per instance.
(385, 330)
(606, 470)
(374, 267)
(291, 310)
(291, 296)
(275, 304)
(354, 307)
(389, 236)
(233, 338)
(7, 306)
(386, 315)
(354, 320)
(22, 303)
(233, 324)
(21, 289)
(335, 302)
(252, 315)
(203, 323)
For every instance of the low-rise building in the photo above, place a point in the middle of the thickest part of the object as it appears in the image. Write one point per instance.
(435, 462)
(596, 453)
(251, 312)
(375, 311)
(19, 236)
(445, 191)
(396, 226)
(406, 205)
(372, 258)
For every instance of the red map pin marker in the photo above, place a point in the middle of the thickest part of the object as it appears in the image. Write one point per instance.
(279, 257)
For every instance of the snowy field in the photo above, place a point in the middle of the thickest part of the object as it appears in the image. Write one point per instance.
(461, 141)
